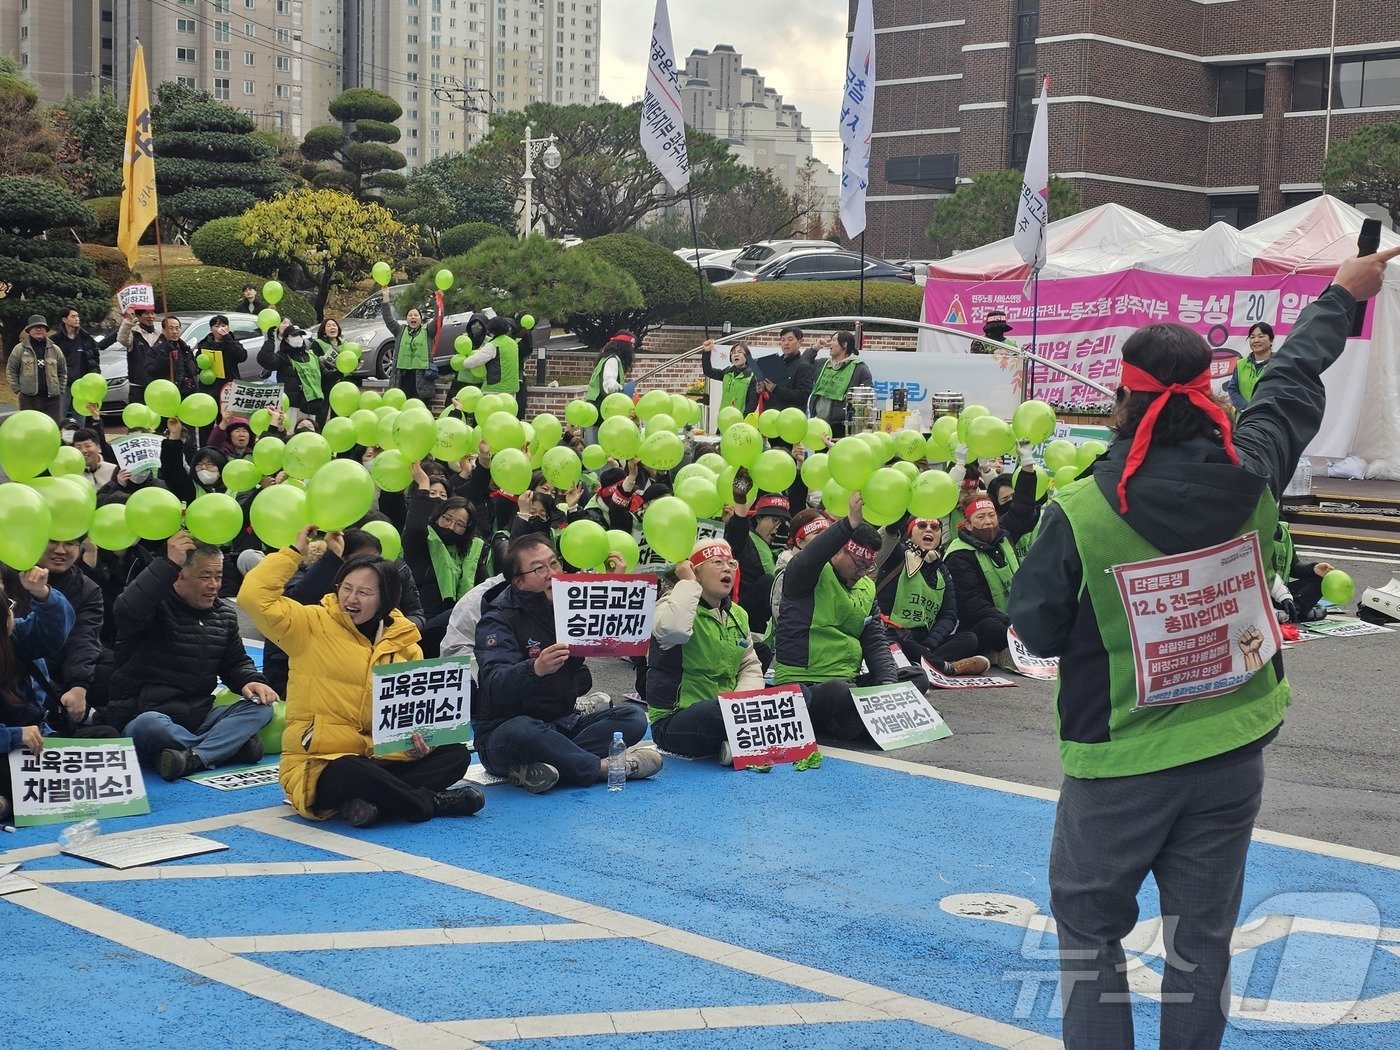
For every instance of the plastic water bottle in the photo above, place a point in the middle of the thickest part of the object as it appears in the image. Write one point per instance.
(77, 834)
(617, 763)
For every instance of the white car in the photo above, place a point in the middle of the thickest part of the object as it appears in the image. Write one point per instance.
(757, 255)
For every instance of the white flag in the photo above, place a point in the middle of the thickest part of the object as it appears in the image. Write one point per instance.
(1033, 211)
(857, 116)
(663, 127)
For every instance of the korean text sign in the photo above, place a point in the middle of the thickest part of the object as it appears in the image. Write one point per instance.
(898, 715)
(74, 779)
(605, 614)
(432, 697)
(767, 727)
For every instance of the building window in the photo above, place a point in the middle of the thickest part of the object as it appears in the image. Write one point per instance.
(1238, 210)
(249, 59)
(221, 88)
(221, 60)
(284, 36)
(1239, 90)
(284, 7)
(221, 32)
(248, 87)
(284, 64)
(186, 81)
(184, 54)
(1024, 81)
(283, 91)
(1358, 82)
(248, 30)
(184, 25)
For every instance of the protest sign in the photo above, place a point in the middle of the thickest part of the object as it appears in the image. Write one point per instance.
(1045, 668)
(75, 779)
(432, 697)
(237, 779)
(138, 453)
(898, 715)
(15, 883)
(1345, 628)
(140, 849)
(136, 297)
(652, 564)
(768, 726)
(939, 680)
(1200, 624)
(242, 398)
(604, 614)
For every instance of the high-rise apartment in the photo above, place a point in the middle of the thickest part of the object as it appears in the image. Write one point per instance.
(65, 48)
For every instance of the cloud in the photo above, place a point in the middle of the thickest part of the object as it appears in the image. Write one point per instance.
(798, 45)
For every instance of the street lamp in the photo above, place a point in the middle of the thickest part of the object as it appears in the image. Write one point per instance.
(551, 160)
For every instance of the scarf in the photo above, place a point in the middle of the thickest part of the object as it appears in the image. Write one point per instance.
(1197, 391)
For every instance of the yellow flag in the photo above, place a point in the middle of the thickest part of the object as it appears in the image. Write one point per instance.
(138, 165)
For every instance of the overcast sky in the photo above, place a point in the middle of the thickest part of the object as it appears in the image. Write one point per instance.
(799, 46)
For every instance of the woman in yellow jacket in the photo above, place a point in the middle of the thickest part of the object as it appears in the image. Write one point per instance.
(328, 768)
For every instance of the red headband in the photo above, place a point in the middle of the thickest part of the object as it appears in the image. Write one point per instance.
(812, 527)
(713, 550)
(1197, 391)
(623, 337)
(982, 503)
(860, 550)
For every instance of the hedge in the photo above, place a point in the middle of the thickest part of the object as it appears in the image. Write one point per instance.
(758, 303)
(110, 262)
(107, 210)
(214, 288)
(219, 242)
(462, 238)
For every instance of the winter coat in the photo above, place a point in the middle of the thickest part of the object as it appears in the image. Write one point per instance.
(80, 352)
(40, 634)
(330, 674)
(515, 626)
(140, 350)
(22, 368)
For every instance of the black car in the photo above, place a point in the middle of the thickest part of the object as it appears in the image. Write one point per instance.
(830, 266)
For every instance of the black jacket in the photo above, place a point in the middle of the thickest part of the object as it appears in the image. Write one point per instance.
(234, 353)
(170, 656)
(515, 626)
(277, 356)
(974, 596)
(421, 508)
(792, 379)
(80, 352)
(918, 641)
(76, 663)
(755, 585)
(170, 359)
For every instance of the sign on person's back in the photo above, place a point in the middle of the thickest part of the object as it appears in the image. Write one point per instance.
(431, 697)
(74, 779)
(768, 726)
(898, 715)
(604, 614)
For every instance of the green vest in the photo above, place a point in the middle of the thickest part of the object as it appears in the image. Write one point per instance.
(1247, 373)
(838, 618)
(507, 368)
(735, 389)
(1282, 564)
(765, 552)
(832, 383)
(1147, 739)
(413, 349)
(595, 381)
(455, 576)
(711, 659)
(916, 604)
(308, 375)
(998, 577)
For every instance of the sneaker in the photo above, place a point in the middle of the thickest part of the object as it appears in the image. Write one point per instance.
(175, 764)
(726, 754)
(643, 760)
(592, 703)
(458, 802)
(536, 777)
(812, 761)
(251, 753)
(1002, 658)
(1315, 614)
(358, 813)
(971, 665)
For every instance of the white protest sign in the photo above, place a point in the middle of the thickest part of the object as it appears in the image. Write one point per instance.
(242, 398)
(137, 452)
(432, 697)
(237, 779)
(768, 726)
(75, 779)
(1345, 628)
(652, 564)
(140, 849)
(1200, 624)
(898, 715)
(939, 680)
(604, 614)
(15, 884)
(136, 297)
(1045, 668)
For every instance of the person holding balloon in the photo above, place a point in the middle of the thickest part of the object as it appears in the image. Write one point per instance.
(609, 374)
(495, 365)
(445, 551)
(1298, 586)
(219, 356)
(303, 374)
(739, 383)
(328, 341)
(413, 350)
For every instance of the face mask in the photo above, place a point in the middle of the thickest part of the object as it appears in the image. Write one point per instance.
(207, 477)
(296, 342)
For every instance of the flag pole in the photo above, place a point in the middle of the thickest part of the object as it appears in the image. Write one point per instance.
(699, 277)
(860, 325)
(160, 265)
(1028, 385)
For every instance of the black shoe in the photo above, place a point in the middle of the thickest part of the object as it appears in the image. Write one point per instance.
(250, 754)
(459, 802)
(536, 778)
(175, 764)
(358, 813)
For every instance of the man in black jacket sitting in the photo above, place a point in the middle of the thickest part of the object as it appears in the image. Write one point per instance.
(175, 639)
(524, 719)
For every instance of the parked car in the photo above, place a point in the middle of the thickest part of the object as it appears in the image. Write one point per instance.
(193, 328)
(756, 255)
(715, 272)
(364, 325)
(829, 266)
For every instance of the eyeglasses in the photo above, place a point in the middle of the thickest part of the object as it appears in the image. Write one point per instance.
(554, 565)
(455, 524)
(927, 523)
(364, 595)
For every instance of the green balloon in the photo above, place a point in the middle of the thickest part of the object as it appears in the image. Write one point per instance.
(815, 471)
(278, 514)
(453, 439)
(268, 454)
(394, 397)
(775, 470)
(616, 404)
(652, 403)
(934, 494)
(989, 437)
(67, 461)
(1066, 475)
(681, 407)
(382, 273)
(694, 470)
(1033, 421)
(366, 427)
(415, 402)
(818, 430)
(548, 430)
(561, 467)
(29, 440)
(584, 544)
(768, 421)
(909, 470)
(346, 361)
(390, 542)
(886, 493)
(594, 457)
(134, 417)
(1060, 453)
(271, 734)
(965, 419)
(344, 398)
(728, 416)
(71, 502)
(371, 399)
(1042, 480)
(109, 529)
(909, 445)
(90, 389)
(741, 445)
(163, 398)
(669, 526)
(214, 518)
(338, 495)
(259, 421)
(1087, 452)
(384, 432)
(339, 433)
(240, 475)
(503, 431)
(268, 318)
(662, 450)
(625, 543)
(305, 454)
(700, 495)
(581, 413)
(153, 514)
(207, 376)
(510, 470)
(943, 440)
(662, 422)
(712, 461)
(443, 280)
(487, 405)
(272, 292)
(508, 404)
(198, 410)
(792, 425)
(836, 499)
(1338, 587)
(415, 433)
(851, 462)
(391, 471)
(620, 438)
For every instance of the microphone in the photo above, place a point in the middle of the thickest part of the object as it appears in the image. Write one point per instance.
(1367, 244)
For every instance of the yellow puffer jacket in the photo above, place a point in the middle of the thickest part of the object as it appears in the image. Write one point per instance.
(329, 679)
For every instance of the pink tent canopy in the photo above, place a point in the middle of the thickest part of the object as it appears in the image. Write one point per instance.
(1314, 237)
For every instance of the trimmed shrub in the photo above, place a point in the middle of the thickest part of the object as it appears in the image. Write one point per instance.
(107, 210)
(462, 238)
(216, 288)
(668, 285)
(772, 302)
(219, 242)
(110, 262)
(417, 265)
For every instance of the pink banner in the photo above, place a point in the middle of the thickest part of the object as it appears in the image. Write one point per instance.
(1083, 321)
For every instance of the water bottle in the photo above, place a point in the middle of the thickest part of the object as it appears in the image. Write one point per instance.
(77, 834)
(617, 763)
